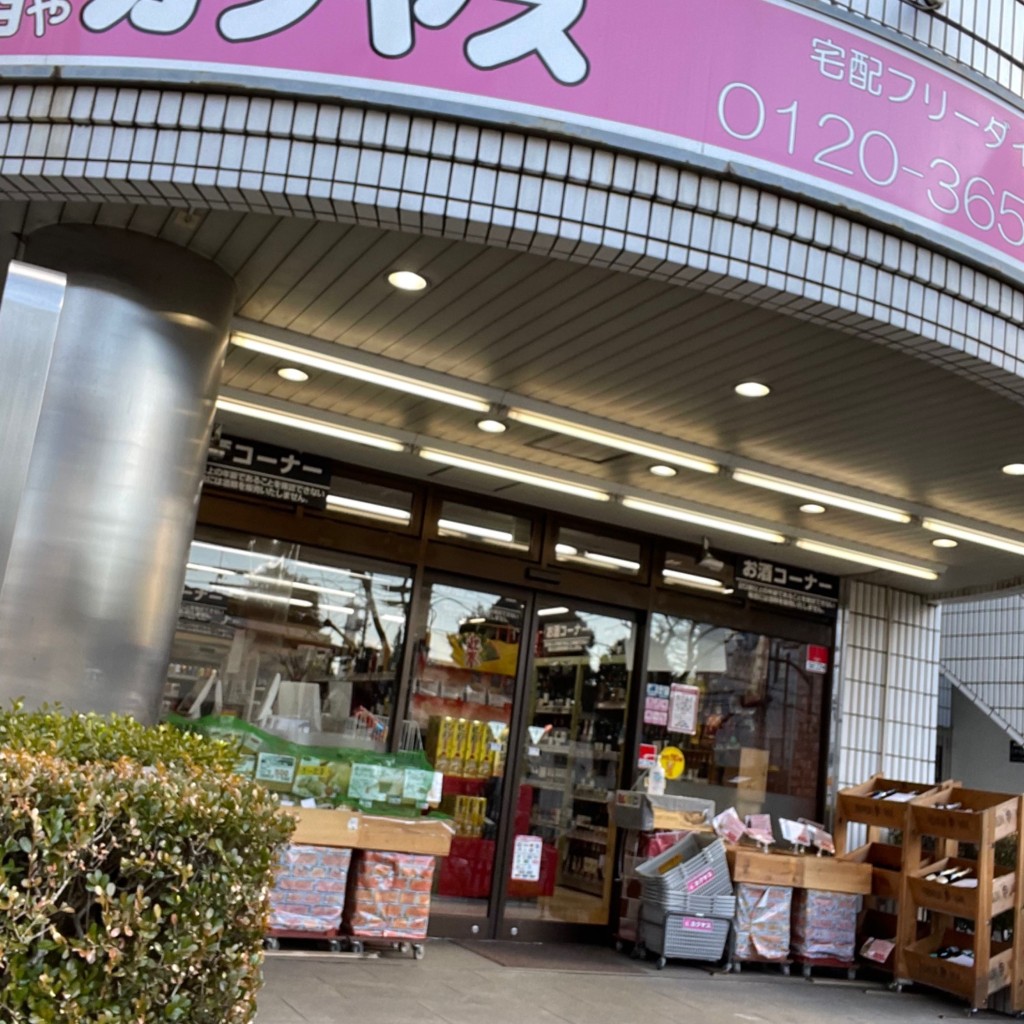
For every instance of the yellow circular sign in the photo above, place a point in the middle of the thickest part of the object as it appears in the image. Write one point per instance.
(673, 762)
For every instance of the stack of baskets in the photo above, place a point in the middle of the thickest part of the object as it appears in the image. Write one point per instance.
(688, 902)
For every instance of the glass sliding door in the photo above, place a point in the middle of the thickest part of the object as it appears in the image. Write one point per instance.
(466, 659)
(560, 869)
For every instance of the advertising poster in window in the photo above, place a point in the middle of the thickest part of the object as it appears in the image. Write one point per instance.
(683, 708)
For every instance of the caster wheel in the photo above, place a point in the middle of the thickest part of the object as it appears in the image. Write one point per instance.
(806, 970)
(896, 987)
(404, 947)
(785, 970)
(661, 963)
(639, 952)
(334, 946)
(851, 974)
(418, 951)
(356, 946)
(271, 943)
(737, 968)
(618, 946)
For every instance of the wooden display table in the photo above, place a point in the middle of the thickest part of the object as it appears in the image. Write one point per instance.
(798, 871)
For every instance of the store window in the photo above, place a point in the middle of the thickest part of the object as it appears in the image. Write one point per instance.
(592, 551)
(474, 525)
(305, 644)
(370, 501)
(744, 709)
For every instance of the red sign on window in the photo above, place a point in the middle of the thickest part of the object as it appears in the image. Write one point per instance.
(648, 756)
(817, 659)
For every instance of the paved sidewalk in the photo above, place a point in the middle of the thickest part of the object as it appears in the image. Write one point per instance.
(453, 985)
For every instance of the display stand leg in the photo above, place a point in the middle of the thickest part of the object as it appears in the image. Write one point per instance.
(1017, 994)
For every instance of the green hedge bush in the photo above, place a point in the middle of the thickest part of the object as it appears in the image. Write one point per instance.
(134, 873)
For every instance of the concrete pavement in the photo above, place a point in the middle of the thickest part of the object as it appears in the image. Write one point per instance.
(454, 985)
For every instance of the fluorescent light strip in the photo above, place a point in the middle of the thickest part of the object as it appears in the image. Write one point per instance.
(212, 569)
(348, 368)
(618, 563)
(393, 618)
(294, 585)
(990, 540)
(565, 549)
(552, 611)
(862, 558)
(339, 608)
(868, 508)
(255, 556)
(368, 508)
(549, 483)
(306, 423)
(470, 529)
(256, 595)
(690, 579)
(700, 519)
(610, 440)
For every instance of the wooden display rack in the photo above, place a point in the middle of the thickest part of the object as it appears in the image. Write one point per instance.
(887, 861)
(981, 821)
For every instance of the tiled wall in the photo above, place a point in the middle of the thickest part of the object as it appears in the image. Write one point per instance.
(983, 653)
(888, 686)
(548, 196)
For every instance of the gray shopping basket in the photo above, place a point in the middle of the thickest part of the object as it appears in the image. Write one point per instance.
(696, 866)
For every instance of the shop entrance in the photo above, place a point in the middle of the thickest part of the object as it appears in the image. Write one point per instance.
(522, 700)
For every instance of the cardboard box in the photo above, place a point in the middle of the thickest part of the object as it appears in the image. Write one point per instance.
(804, 871)
(357, 831)
(645, 813)
(427, 836)
(315, 827)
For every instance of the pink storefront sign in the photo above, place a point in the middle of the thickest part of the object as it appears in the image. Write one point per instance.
(773, 88)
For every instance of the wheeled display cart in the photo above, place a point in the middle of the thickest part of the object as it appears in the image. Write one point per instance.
(761, 927)
(385, 904)
(688, 905)
(389, 902)
(308, 897)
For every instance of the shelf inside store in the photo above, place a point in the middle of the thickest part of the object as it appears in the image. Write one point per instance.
(593, 886)
(611, 705)
(591, 796)
(545, 709)
(548, 785)
(597, 837)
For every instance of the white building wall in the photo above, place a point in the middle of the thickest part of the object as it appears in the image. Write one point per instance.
(983, 654)
(888, 685)
(980, 753)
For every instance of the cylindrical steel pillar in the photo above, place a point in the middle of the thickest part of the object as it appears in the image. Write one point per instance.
(89, 601)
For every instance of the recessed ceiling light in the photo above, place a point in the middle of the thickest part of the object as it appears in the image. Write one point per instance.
(293, 373)
(1014, 469)
(944, 542)
(752, 389)
(662, 470)
(811, 509)
(489, 426)
(407, 280)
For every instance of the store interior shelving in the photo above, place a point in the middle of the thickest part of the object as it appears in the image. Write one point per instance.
(574, 766)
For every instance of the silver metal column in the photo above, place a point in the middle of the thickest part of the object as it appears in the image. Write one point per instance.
(90, 596)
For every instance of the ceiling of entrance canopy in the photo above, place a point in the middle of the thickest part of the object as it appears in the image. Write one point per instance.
(652, 357)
